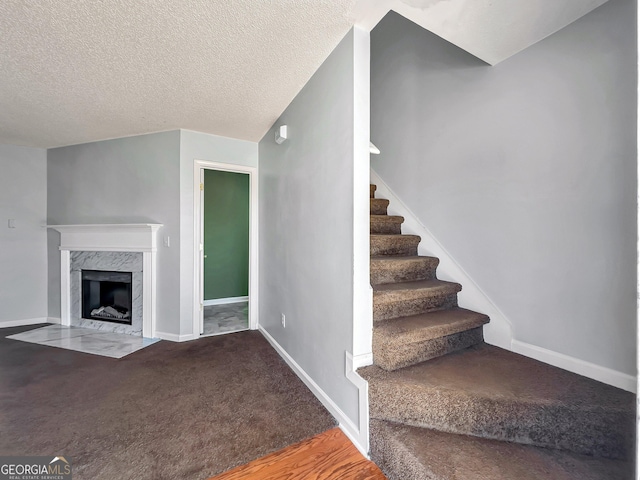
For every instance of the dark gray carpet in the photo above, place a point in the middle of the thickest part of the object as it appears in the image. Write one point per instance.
(172, 410)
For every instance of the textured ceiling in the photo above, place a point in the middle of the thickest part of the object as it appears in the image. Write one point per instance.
(84, 70)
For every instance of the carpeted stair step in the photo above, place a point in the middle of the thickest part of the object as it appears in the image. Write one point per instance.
(372, 190)
(400, 342)
(378, 206)
(393, 300)
(492, 393)
(406, 245)
(388, 269)
(404, 452)
(385, 224)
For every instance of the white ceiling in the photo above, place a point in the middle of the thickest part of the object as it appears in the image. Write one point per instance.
(493, 30)
(74, 71)
(77, 71)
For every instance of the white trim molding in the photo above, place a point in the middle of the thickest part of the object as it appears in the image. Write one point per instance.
(173, 337)
(225, 301)
(346, 425)
(125, 237)
(581, 367)
(198, 245)
(361, 440)
(28, 321)
(499, 331)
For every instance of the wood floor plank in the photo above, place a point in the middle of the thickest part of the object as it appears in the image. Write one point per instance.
(328, 456)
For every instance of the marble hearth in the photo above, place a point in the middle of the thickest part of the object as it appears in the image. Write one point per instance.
(115, 248)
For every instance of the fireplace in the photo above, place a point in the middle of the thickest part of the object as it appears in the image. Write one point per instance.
(114, 249)
(107, 296)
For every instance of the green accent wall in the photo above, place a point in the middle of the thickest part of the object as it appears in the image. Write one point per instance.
(226, 234)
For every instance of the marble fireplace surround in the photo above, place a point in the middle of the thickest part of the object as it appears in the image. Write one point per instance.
(120, 238)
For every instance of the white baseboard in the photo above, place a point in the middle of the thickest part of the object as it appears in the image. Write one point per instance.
(345, 423)
(224, 301)
(499, 331)
(575, 365)
(172, 337)
(27, 321)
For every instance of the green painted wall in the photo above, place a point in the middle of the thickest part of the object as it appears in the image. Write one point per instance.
(226, 234)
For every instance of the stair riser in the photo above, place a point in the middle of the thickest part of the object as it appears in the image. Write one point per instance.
(394, 355)
(402, 271)
(400, 250)
(384, 309)
(385, 227)
(378, 206)
(586, 432)
(392, 457)
(400, 245)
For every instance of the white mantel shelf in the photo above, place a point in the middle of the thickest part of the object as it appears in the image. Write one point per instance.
(118, 237)
(122, 237)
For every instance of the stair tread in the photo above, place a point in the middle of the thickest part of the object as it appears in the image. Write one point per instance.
(491, 372)
(421, 453)
(432, 284)
(428, 326)
(492, 393)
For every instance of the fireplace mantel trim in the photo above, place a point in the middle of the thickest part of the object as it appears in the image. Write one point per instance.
(129, 237)
(124, 237)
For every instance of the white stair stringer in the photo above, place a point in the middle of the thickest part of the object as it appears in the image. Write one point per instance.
(499, 331)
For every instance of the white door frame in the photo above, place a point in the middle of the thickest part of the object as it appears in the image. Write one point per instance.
(198, 258)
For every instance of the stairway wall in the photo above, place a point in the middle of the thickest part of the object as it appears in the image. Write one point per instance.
(525, 172)
(307, 230)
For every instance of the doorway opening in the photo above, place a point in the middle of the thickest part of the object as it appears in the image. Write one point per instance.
(226, 248)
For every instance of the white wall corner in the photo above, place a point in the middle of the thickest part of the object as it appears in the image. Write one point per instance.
(499, 331)
(362, 292)
(575, 365)
(173, 337)
(345, 423)
(368, 13)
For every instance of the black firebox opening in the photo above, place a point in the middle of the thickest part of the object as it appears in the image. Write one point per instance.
(106, 296)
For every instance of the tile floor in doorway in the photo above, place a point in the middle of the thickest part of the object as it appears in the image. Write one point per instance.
(231, 317)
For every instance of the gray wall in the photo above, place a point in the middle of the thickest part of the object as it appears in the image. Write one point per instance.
(23, 249)
(127, 180)
(211, 148)
(525, 172)
(306, 227)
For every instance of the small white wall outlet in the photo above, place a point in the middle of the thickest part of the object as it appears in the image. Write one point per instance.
(284, 323)
(167, 241)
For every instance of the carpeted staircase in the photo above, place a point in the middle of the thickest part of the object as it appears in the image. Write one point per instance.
(446, 406)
